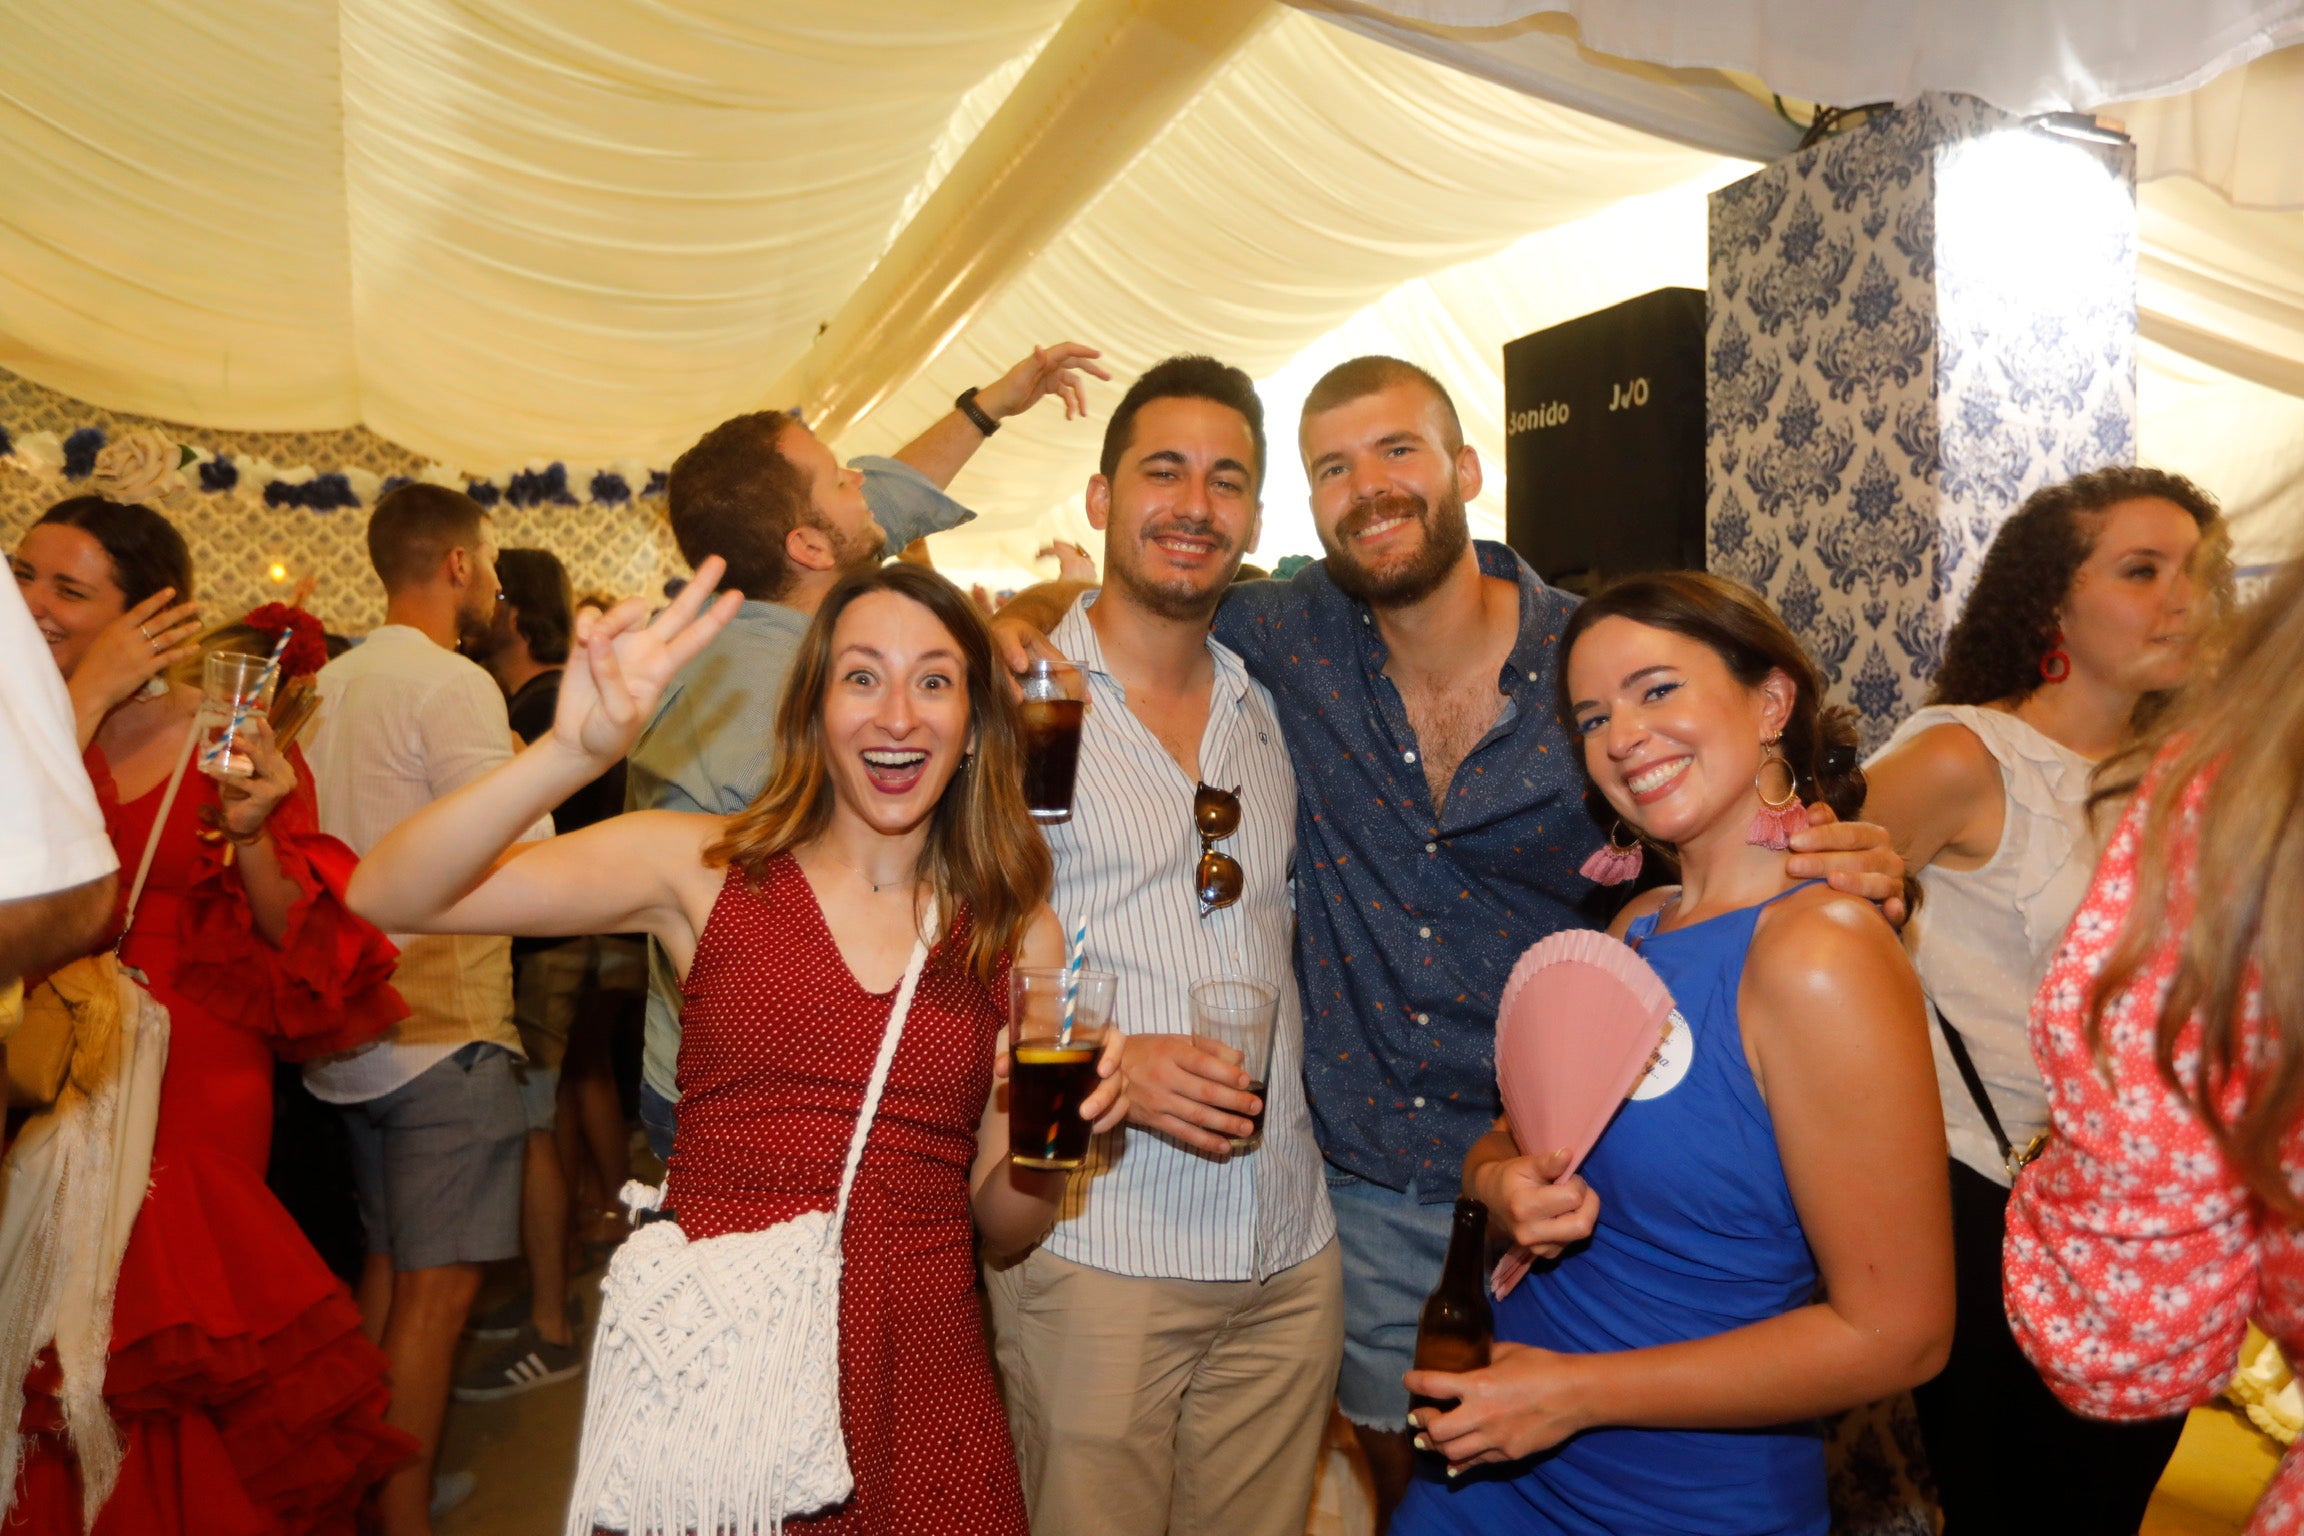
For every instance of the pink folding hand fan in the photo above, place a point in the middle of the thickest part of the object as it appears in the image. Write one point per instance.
(1581, 1017)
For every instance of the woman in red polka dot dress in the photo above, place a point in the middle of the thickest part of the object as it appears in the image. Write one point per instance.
(896, 794)
(2169, 1207)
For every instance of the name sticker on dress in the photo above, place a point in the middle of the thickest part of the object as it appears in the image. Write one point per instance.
(1669, 1062)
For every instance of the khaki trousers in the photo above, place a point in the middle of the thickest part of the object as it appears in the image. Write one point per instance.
(1167, 1407)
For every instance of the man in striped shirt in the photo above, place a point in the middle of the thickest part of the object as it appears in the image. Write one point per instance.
(1170, 1350)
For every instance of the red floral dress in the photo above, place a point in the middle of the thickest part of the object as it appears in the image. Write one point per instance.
(2135, 1256)
(777, 1041)
(250, 1402)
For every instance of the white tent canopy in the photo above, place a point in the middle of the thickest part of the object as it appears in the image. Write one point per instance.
(496, 231)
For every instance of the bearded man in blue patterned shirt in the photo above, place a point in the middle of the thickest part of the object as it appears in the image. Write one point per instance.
(1441, 825)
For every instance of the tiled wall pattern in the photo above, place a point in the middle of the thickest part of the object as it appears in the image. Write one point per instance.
(1912, 326)
(236, 537)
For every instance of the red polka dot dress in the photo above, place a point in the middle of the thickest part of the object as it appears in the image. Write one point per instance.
(777, 1043)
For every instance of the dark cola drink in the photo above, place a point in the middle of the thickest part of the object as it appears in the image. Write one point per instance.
(1053, 700)
(1047, 1084)
(1255, 1121)
(1051, 756)
(1457, 1327)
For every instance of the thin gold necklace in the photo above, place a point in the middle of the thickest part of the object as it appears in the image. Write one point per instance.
(877, 885)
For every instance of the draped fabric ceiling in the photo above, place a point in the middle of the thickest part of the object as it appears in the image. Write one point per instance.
(498, 231)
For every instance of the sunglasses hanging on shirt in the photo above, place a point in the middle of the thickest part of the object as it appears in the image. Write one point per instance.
(1216, 813)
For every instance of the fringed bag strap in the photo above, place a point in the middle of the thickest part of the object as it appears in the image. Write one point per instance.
(872, 1089)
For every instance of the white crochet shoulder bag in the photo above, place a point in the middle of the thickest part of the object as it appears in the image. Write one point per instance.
(714, 1398)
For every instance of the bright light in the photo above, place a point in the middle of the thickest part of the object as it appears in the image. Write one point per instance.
(277, 572)
(2033, 219)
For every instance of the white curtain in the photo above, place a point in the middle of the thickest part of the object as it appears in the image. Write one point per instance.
(2021, 55)
(490, 229)
(2238, 133)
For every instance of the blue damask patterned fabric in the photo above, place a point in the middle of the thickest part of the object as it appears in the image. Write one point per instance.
(1912, 326)
(1407, 923)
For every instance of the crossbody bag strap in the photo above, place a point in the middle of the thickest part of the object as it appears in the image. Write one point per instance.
(2012, 1156)
(879, 1079)
(159, 823)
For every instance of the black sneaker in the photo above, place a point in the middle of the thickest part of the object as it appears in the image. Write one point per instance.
(527, 1362)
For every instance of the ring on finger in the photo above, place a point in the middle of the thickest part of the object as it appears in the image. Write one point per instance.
(145, 632)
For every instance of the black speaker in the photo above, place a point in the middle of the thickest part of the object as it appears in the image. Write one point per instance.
(1604, 441)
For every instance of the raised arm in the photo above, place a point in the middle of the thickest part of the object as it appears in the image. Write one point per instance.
(1834, 1017)
(446, 869)
(952, 439)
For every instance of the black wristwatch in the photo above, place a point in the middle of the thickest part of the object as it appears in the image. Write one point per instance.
(966, 405)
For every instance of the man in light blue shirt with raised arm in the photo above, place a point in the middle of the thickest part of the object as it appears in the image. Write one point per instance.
(765, 495)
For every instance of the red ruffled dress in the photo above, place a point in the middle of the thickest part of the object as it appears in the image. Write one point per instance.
(250, 1401)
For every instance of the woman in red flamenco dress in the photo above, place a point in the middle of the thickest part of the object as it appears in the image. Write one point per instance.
(248, 1400)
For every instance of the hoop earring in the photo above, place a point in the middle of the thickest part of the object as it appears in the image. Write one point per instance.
(2056, 665)
(1779, 820)
(1615, 863)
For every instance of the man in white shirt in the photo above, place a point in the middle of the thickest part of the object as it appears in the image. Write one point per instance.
(56, 862)
(432, 1111)
(1170, 1350)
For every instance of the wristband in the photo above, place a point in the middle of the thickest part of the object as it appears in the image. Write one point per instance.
(966, 405)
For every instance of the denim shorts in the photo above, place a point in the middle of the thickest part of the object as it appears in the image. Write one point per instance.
(658, 1117)
(1393, 1252)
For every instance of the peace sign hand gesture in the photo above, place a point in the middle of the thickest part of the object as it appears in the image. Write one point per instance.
(621, 663)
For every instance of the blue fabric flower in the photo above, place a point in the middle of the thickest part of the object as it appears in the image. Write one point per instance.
(7, 443)
(610, 489)
(484, 492)
(391, 484)
(657, 482)
(80, 450)
(540, 487)
(321, 493)
(218, 475)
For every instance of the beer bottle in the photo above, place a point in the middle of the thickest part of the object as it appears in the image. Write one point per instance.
(1457, 1324)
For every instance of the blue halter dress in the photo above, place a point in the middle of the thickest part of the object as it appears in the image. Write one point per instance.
(1697, 1236)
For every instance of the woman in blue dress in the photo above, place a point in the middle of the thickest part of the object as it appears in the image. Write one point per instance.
(1774, 1241)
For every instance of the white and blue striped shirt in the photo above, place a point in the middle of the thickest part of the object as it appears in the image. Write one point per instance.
(1125, 862)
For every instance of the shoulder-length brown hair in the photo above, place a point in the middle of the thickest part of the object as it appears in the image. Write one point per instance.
(983, 852)
(2234, 745)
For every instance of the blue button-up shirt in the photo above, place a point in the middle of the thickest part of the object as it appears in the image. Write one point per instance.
(1407, 924)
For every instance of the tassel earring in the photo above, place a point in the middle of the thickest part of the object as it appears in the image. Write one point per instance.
(1616, 863)
(1782, 818)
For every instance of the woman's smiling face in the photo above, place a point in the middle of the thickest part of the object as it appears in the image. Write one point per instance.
(69, 585)
(1670, 736)
(896, 717)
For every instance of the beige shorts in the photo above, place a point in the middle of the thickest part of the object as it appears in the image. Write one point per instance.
(553, 986)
